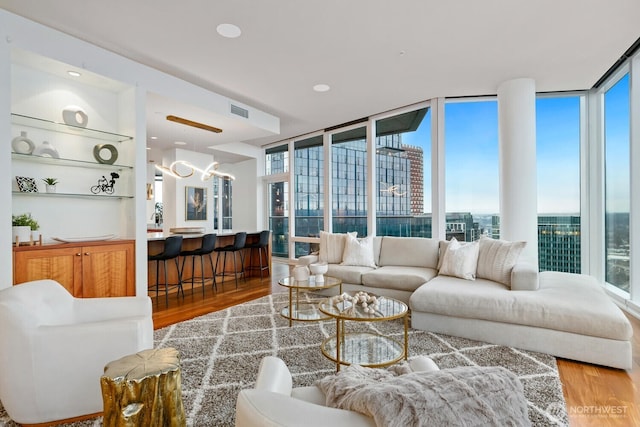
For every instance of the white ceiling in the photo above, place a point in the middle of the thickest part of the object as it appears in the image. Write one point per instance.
(376, 55)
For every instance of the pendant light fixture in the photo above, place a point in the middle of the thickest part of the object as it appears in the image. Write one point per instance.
(209, 172)
(206, 174)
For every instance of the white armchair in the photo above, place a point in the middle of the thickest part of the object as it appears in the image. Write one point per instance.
(53, 348)
(274, 401)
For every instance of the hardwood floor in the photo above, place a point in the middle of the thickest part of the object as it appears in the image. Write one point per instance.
(599, 396)
(595, 395)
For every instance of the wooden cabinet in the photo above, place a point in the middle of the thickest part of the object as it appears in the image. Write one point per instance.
(87, 269)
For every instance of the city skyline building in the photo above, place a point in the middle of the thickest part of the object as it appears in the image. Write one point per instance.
(559, 243)
(415, 155)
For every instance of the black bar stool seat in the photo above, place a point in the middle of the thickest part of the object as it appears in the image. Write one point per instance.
(261, 245)
(172, 247)
(239, 241)
(208, 245)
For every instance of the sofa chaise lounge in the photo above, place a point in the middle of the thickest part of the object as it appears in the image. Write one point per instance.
(507, 303)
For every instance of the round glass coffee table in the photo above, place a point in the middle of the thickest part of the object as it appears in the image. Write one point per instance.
(364, 348)
(304, 310)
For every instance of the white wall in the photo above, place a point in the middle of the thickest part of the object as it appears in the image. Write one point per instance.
(150, 205)
(245, 187)
(6, 268)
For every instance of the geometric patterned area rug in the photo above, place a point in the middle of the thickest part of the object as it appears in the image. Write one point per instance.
(220, 353)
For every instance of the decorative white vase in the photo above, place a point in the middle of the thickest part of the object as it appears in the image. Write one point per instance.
(46, 150)
(301, 273)
(21, 144)
(75, 116)
(22, 232)
(319, 270)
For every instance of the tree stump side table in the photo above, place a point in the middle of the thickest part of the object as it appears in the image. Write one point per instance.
(143, 389)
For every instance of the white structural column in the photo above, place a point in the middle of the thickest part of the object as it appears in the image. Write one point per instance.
(438, 189)
(518, 177)
(6, 256)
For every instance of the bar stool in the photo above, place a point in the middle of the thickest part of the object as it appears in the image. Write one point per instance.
(208, 244)
(260, 245)
(239, 241)
(172, 246)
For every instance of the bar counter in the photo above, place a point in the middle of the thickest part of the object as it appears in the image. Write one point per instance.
(155, 242)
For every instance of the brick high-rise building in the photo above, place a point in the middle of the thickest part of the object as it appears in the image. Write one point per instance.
(416, 171)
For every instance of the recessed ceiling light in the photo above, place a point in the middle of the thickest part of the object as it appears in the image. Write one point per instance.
(74, 73)
(148, 148)
(180, 143)
(154, 137)
(321, 87)
(229, 31)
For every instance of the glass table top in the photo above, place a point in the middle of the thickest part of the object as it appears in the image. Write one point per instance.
(364, 349)
(309, 284)
(303, 311)
(387, 309)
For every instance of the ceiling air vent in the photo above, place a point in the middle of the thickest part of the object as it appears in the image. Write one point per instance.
(239, 111)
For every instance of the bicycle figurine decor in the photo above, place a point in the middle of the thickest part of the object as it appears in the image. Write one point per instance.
(105, 185)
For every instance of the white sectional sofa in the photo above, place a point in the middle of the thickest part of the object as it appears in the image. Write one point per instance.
(508, 303)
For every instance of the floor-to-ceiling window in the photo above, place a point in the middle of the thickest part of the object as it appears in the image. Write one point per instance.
(279, 218)
(471, 168)
(471, 178)
(277, 159)
(403, 178)
(276, 166)
(617, 184)
(157, 197)
(558, 124)
(227, 209)
(222, 201)
(308, 187)
(349, 181)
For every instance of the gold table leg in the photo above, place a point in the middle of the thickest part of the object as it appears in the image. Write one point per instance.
(406, 336)
(338, 339)
(297, 302)
(290, 307)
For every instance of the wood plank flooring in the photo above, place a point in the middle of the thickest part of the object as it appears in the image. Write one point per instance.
(595, 395)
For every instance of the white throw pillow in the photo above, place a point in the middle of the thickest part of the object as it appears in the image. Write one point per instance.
(496, 259)
(358, 252)
(332, 246)
(442, 248)
(460, 260)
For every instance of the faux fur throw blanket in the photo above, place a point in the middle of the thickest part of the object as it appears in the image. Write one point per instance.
(464, 396)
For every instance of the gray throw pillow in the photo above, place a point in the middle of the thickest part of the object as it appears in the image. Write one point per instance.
(496, 259)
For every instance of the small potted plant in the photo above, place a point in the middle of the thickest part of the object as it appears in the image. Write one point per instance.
(50, 184)
(22, 226)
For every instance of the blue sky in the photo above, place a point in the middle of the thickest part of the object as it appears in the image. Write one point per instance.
(471, 153)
